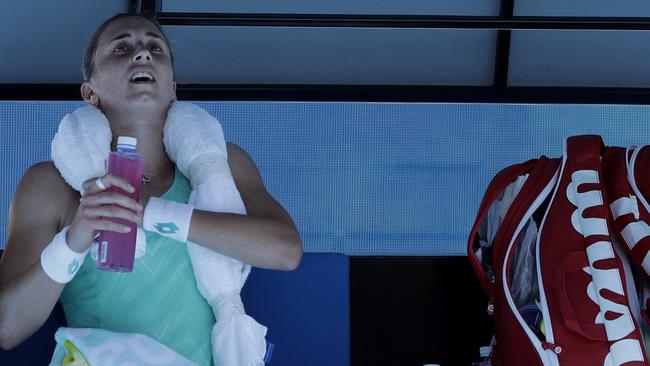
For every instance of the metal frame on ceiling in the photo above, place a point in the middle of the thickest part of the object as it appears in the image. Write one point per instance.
(499, 92)
(501, 22)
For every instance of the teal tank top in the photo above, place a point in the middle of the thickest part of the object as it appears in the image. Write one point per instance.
(158, 299)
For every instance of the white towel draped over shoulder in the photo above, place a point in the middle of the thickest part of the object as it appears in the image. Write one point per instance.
(194, 141)
(81, 146)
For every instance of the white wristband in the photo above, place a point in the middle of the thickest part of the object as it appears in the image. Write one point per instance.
(59, 262)
(168, 218)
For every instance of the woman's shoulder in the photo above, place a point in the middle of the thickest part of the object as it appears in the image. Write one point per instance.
(44, 173)
(238, 157)
(41, 169)
(42, 183)
(45, 177)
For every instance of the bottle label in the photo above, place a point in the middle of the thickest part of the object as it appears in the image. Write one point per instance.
(103, 250)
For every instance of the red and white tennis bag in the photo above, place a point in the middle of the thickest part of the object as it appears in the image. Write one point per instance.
(560, 247)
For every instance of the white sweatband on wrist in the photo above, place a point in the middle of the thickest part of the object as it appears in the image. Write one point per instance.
(168, 218)
(59, 262)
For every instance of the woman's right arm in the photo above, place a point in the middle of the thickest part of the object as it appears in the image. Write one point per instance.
(39, 210)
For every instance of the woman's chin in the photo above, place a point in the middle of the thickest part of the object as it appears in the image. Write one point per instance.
(149, 101)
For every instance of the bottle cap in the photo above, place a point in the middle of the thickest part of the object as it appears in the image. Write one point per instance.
(484, 351)
(127, 142)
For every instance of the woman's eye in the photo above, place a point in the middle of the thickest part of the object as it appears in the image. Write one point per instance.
(155, 47)
(120, 49)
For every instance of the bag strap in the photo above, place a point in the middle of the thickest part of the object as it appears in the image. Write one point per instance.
(630, 162)
(629, 207)
(591, 220)
(639, 253)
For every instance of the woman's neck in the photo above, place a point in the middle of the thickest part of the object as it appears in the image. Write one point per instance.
(149, 134)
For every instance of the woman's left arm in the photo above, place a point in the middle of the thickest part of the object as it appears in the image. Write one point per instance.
(266, 237)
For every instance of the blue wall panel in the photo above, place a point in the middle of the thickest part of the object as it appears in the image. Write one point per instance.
(365, 178)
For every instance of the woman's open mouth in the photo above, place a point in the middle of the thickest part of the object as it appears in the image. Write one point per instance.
(142, 77)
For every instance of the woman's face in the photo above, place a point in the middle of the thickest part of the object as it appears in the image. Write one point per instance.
(132, 67)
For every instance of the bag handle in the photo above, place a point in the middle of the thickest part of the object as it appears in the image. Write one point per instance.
(630, 162)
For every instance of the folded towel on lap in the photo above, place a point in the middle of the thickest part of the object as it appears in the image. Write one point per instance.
(98, 347)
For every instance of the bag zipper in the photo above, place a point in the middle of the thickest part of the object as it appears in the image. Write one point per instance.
(552, 346)
(546, 314)
(490, 305)
(548, 355)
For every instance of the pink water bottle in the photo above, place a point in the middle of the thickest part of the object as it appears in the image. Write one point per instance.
(117, 250)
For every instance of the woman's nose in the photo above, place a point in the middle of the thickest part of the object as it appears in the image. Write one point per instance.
(142, 56)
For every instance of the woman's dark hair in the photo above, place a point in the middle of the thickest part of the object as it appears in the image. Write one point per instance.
(87, 63)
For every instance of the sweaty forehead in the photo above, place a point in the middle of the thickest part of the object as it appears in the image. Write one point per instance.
(129, 25)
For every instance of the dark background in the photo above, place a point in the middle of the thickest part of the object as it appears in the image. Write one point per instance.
(415, 310)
